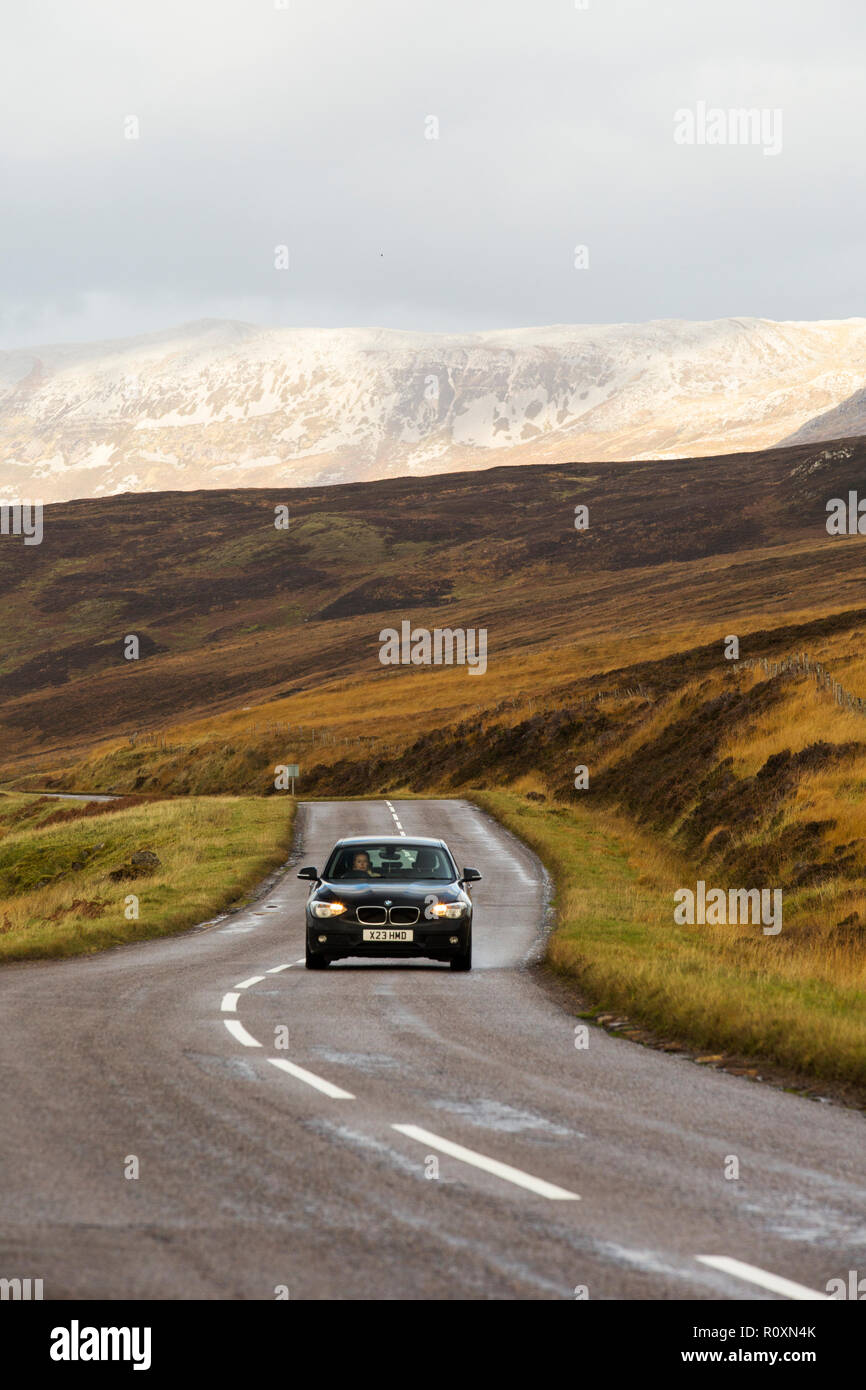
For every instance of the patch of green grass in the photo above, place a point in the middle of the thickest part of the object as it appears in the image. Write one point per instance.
(795, 1002)
(332, 538)
(238, 552)
(211, 851)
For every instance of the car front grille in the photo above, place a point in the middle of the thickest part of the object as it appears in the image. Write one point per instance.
(372, 916)
(403, 916)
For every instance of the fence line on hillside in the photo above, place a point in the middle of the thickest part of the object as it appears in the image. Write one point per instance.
(802, 664)
(312, 736)
(294, 740)
(623, 692)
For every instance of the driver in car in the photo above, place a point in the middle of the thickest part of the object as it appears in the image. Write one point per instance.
(361, 864)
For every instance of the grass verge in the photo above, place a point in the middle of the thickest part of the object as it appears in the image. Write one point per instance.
(73, 887)
(799, 1004)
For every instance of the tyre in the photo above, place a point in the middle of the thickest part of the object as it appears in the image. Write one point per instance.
(464, 960)
(313, 962)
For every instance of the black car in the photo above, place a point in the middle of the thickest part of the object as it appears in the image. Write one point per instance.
(389, 896)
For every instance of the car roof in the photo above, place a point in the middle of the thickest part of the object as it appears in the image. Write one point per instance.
(389, 840)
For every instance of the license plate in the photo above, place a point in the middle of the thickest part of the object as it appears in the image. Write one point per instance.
(387, 934)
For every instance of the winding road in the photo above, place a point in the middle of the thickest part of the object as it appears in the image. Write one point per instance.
(393, 1131)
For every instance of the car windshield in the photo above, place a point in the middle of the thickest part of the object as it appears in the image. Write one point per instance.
(401, 862)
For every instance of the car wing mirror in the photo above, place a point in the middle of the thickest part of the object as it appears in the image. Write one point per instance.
(471, 876)
(309, 872)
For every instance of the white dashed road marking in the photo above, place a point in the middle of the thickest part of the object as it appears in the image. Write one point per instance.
(396, 817)
(490, 1165)
(329, 1089)
(774, 1282)
(238, 1031)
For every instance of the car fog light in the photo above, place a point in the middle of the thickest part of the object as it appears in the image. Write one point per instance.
(454, 940)
(323, 938)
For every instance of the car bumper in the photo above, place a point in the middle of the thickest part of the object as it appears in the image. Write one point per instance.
(347, 940)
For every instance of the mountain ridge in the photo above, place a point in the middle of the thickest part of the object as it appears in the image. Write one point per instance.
(223, 403)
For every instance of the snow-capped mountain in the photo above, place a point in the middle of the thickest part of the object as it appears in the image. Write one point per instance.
(224, 404)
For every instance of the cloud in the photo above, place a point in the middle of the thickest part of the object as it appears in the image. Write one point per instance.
(305, 126)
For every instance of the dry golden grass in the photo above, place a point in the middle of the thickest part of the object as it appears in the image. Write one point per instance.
(211, 850)
(808, 715)
(797, 1000)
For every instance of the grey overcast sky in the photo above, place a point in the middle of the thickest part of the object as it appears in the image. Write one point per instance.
(305, 124)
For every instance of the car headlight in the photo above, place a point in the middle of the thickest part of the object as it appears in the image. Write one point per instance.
(328, 909)
(448, 909)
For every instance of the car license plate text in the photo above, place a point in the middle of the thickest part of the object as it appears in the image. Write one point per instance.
(387, 934)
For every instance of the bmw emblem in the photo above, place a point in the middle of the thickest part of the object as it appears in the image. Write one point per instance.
(388, 902)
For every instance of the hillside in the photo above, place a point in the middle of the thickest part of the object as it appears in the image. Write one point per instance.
(260, 647)
(225, 405)
(846, 420)
(231, 611)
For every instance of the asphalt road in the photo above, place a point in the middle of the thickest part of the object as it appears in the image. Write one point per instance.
(253, 1177)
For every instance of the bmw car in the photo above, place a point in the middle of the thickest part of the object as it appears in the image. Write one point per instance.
(389, 896)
